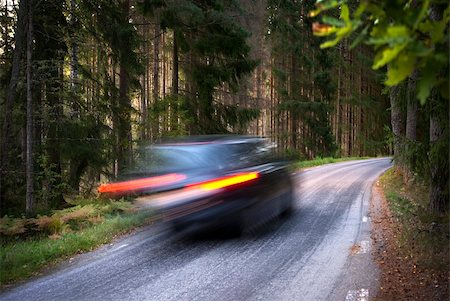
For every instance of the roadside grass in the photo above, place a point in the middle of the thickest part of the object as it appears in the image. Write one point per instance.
(326, 160)
(29, 245)
(424, 235)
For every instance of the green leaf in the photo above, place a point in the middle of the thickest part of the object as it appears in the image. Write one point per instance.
(423, 11)
(425, 27)
(361, 8)
(376, 11)
(420, 50)
(314, 13)
(328, 4)
(400, 68)
(441, 57)
(438, 31)
(345, 13)
(332, 21)
(330, 43)
(323, 6)
(427, 80)
(392, 35)
(386, 55)
(424, 88)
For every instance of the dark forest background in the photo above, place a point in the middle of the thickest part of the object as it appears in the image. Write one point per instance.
(84, 82)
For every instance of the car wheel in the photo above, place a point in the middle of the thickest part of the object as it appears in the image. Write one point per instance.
(288, 204)
(177, 227)
(234, 228)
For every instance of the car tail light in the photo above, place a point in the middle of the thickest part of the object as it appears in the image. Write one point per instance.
(141, 183)
(226, 181)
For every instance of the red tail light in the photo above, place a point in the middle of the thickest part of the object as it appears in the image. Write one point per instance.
(141, 183)
(227, 181)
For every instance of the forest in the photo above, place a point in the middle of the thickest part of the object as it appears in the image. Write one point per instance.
(83, 83)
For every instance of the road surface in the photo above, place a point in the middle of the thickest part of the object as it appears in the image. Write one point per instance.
(321, 252)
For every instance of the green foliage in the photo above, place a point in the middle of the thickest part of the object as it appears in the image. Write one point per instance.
(174, 109)
(327, 160)
(235, 117)
(12, 226)
(422, 233)
(406, 36)
(293, 154)
(413, 155)
(401, 206)
(85, 213)
(21, 259)
(51, 181)
(288, 38)
(30, 244)
(210, 36)
(6, 26)
(112, 22)
(83, 140)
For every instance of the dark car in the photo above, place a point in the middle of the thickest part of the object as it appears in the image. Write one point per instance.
(226, 182)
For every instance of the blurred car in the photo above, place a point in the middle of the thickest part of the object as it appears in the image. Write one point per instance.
(226, 182)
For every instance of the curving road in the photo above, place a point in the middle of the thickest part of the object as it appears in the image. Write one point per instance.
(322, 252)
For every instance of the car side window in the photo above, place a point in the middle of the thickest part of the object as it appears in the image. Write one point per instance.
(250, 153)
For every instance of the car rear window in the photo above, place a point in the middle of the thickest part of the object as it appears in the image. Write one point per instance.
(168, 158)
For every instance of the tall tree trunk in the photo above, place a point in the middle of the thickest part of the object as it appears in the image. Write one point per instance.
(175, 65)
(175, 107)
(411, 125)
(411, 111)
(439, 141)
(439, 152)
(5, 137)
(29, 208)
(77, 169)
(338, 103)
(155, 92)
(397, 123)
(115, 116)
(145, 83)
(74, 106)
(73, 61)
(124, 126)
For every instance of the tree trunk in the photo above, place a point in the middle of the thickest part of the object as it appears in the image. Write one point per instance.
(115, 117)
(411, 112)
(144, 83)
(77, 169)
(73, 62)
(156, 43)
(124, 126)
(397, 123)
(411, 126)
(175, 105)
(175, 66)
(124, 120)
(338, 104)
(19, 38)
(439, 163)
(439, 142)
(29, 208)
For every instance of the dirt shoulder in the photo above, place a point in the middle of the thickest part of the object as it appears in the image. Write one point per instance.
(403, 274)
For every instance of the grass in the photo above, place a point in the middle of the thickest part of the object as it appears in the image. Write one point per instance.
(321, 161)
(22, 257)
(424, 235)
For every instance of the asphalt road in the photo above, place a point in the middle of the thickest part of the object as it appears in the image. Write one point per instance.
(321, 252)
